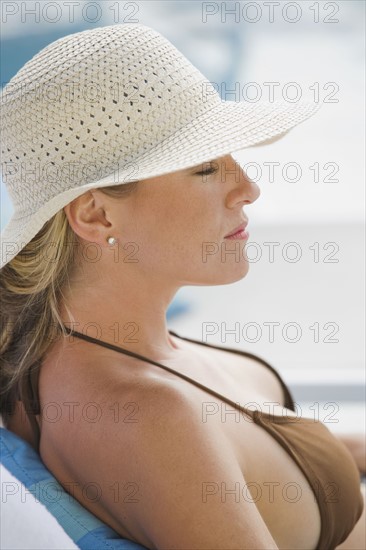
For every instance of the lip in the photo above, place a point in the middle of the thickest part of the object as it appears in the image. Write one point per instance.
(238, 229)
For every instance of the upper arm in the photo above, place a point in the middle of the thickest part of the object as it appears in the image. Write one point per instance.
(356, 444)
(189, 484)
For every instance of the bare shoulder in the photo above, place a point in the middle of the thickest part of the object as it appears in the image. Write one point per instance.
(178, 465)
(159, 468)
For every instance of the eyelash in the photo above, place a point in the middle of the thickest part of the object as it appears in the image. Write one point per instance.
(206, 172)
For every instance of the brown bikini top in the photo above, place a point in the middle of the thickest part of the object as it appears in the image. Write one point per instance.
(323, 458)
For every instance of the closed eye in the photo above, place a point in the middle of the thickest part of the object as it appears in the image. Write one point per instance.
(209, 170)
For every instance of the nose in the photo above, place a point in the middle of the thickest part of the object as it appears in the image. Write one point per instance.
(254, 189)
(244, 190)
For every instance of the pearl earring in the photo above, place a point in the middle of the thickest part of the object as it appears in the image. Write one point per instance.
(111, 240)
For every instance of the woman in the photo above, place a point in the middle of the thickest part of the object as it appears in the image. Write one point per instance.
(128, 186)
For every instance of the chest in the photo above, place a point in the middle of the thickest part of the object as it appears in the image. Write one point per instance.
(242, 379)
(267, 468)
(273, 481)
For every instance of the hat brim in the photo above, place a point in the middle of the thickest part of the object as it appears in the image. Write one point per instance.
(228, 127)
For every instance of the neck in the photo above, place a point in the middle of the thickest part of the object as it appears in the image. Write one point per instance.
(134, 320)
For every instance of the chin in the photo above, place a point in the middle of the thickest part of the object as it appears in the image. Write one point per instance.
(236, 273)
(240, 274)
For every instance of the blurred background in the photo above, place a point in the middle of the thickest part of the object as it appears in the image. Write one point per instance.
(312, 181)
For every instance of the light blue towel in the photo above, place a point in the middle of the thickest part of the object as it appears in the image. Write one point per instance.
(85, 529)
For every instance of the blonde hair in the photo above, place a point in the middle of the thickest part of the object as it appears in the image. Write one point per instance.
(30, 291)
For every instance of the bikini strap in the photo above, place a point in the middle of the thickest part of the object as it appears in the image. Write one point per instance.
(72, 332)
(289, 401)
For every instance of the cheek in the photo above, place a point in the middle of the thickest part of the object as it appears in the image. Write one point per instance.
(174, 228)
(195, 219)
(159, 227)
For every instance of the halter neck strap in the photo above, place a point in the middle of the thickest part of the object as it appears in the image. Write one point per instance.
(147, 359)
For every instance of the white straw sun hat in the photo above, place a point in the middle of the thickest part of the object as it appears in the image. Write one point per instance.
(113, 105)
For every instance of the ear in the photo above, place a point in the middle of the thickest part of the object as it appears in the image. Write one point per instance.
(88, 217)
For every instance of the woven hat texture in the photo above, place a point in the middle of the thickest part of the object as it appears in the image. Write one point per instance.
(112, 105)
